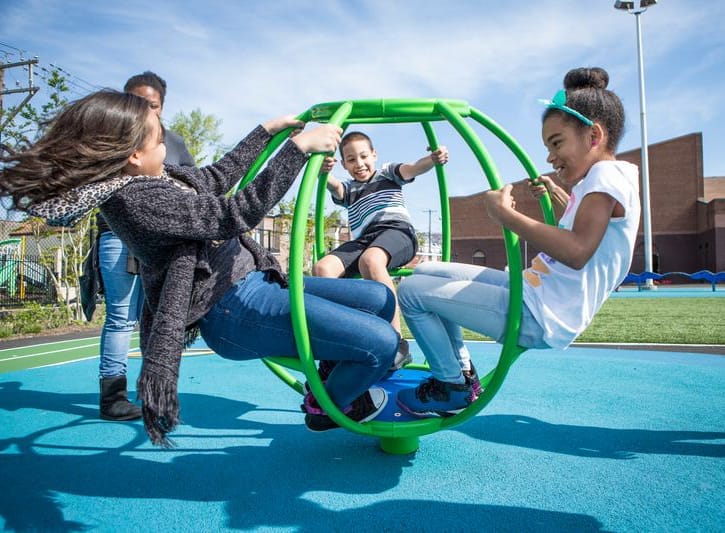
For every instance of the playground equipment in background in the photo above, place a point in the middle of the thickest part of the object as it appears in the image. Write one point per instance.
(701, 275)
(396, 437)
(23, 278)
(9, 261)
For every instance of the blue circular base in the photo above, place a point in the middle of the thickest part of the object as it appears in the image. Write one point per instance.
(398, 380)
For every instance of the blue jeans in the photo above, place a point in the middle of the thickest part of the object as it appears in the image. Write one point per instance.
(348, 321)
(440, 298)
(124, 300)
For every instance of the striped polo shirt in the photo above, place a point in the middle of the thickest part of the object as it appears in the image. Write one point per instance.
(380, 199)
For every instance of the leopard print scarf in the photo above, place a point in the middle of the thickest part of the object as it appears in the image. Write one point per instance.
(70, 207)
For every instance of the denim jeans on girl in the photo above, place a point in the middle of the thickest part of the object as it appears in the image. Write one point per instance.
(440, 298)
(348, 321)
(124, 300)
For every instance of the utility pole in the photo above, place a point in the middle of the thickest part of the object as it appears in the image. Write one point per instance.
(430, 238)
(30, 89)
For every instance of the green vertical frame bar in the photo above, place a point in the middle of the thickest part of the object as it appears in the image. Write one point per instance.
(296, 284)
(442, 194)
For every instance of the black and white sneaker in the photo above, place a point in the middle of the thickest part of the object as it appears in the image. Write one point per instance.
(365, 407)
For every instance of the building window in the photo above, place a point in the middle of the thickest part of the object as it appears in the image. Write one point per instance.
(479, 258)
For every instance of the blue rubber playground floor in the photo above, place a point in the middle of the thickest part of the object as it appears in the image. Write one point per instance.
(585, 439)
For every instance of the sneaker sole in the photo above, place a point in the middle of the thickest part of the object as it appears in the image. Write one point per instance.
(320, 429)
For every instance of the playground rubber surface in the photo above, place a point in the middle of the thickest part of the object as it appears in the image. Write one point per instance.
(586, 439)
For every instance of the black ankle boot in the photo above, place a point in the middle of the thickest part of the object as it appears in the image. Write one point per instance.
(114, 402)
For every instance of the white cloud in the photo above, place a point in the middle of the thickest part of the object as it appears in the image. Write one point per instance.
(245, 62)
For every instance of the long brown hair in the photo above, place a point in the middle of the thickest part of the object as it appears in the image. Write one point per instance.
(89, 140)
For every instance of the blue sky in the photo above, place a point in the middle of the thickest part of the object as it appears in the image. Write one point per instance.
(245, 61)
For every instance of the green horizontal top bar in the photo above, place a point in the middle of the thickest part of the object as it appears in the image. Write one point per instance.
(386, 110)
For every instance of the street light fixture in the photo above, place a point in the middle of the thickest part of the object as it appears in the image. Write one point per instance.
(646, 217)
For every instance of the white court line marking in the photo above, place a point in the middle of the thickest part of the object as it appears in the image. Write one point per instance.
(186, 353)
(63, 362)
(47, 343)
(16, 357)
(133, 337)
(74, 347)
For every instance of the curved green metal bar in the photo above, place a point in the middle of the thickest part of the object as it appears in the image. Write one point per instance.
(319, 249)
(277, 367)
(296, 281)
(271, 147)
(442, 194)
(384, 430)
(510, 350)
(386, 110)
(396, 437)
(522, 156)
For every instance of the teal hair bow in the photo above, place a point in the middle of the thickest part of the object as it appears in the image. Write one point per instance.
(559, 102)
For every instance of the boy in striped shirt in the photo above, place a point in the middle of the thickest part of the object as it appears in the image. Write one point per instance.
(382, 230)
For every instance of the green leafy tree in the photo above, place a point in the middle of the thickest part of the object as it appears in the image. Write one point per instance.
(200, 133)
(63, 254)
(421, 238)
(333, 220)
(27, 123)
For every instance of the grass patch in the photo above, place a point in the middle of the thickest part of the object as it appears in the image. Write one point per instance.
(659, 320)
(33, 319)
(620, 320)
(650, 321)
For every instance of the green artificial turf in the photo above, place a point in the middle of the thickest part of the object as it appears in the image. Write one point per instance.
(651, 321)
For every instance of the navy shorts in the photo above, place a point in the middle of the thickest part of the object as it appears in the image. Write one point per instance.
(399, 243)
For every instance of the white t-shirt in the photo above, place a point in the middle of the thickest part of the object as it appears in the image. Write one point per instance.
(564, 300)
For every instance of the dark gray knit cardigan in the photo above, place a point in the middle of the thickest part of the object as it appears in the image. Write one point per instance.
(189, 239)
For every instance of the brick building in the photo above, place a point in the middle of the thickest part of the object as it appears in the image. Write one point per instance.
(688, 215)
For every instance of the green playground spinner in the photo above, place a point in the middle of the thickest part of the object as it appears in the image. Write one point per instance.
(396, 437)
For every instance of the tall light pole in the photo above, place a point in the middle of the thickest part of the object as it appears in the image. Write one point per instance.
(646, 212)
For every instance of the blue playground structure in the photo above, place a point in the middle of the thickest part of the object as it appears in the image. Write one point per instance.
(701, 275)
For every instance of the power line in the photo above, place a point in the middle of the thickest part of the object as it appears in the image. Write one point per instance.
(83, 87)
(13, 47)
(89, 86)
(73, 87)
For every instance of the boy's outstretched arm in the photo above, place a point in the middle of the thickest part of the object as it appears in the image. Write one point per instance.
(333, 184)
(408, 171)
